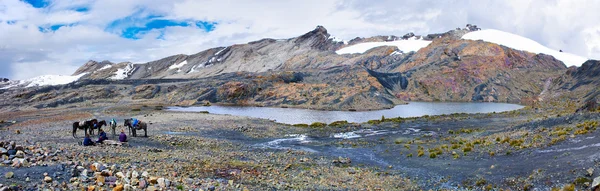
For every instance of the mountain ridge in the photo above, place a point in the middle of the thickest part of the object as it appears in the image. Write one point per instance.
(449, 68)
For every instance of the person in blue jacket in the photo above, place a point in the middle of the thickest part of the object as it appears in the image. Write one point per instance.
(102, 136)
(87, 141)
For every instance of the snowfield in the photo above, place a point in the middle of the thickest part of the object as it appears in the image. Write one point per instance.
(403, 45)
(51, 80)
(521, 43)
(181, 64)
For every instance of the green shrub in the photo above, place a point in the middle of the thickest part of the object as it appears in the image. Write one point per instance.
(374, 122)
(432, 155)
(467, 149)
(338, 123)
(300, 125)
(318, 125)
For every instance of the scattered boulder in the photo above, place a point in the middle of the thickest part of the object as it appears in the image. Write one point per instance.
(119, 187)
(20, 154)
(48, 179)
(161, 182)
(342, 161)
(596, 183)
(153, 180)
(134, 174)
(120, 175)
(142, 184)
(9, 175)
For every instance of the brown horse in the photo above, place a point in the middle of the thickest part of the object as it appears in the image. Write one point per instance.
(132, 130)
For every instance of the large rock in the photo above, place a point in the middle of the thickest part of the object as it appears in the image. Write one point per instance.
(20, 154)
(596, 183)
(153, 180)
(48, 179)
(142, 184)
(100, 180)
(119, 187)
(120, 175)
(9, 175)
(161, 182)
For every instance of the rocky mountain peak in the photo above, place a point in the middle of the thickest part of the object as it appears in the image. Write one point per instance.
(316, 38)
(91, 65)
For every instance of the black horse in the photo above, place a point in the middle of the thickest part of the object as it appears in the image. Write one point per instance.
(132, 130)
(85, 125)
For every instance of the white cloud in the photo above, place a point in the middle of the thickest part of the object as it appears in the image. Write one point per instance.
(573, 26)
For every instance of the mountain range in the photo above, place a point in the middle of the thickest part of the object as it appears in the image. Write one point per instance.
(319, 71)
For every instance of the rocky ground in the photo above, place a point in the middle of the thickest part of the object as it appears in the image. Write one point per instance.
(182, 151)
(543, 149)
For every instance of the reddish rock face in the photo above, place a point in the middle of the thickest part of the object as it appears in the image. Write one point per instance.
(451, 69)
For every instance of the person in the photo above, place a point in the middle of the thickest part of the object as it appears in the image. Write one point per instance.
(102, 136)
(87, 141)
(122, 136)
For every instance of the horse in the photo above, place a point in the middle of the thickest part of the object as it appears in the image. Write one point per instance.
(96, 125)
(113, 125)
(81, 125)
(141, 125)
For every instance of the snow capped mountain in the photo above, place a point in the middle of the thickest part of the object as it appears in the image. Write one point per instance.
(408, 45)
(521, 43)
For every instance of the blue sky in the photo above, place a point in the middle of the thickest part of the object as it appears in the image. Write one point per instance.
(57, 36)
(134, 26)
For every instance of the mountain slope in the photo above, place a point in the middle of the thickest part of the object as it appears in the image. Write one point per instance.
(578, 84)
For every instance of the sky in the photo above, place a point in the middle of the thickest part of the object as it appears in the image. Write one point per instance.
(39, 37)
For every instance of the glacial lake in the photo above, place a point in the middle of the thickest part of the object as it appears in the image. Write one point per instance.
(307, 116)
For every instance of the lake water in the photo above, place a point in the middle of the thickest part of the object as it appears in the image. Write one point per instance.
(307, 116)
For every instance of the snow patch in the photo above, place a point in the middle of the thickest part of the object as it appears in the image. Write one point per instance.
(346, 135)
(336, 40)
(403, 45)
(396, 53)
(123, 73)
(521, 43)
(181, 64)
(105, 67)
(219, 52)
